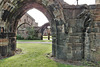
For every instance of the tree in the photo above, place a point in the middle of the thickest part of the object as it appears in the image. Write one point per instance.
(32, 34)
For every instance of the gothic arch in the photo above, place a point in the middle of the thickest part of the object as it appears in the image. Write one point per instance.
(13, 10)
(87, 18)
(42, 28)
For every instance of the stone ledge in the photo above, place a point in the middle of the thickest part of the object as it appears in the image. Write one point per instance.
(4, 42)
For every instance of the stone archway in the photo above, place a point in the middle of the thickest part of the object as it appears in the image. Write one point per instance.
(13, 10)
(42, 28)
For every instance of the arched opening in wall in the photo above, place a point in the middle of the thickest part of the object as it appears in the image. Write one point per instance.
(29, 28)
(51, 9)
(34, 25)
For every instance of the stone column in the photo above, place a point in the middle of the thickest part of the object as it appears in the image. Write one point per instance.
(12, 44)
(87, 46)
(61, 42)
(54, 38)
(4, 47)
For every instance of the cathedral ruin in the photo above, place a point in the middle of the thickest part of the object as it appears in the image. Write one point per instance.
(75, 28)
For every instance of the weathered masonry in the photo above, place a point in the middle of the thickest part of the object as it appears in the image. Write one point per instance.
(75, 29)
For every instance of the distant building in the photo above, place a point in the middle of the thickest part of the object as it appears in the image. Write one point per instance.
(97, 1)
(25, 22)
(28, 19)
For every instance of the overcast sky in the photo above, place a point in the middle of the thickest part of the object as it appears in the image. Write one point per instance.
(40, 17)
(80, 1)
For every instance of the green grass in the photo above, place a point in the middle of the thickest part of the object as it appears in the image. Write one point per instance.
(32, 55)
(35, 40)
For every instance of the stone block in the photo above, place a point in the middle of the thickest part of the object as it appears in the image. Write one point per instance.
(72, 22)
(75, 51)
(96, 13)
(77, 55)
(96, 29)
(4, 42)
(79, 23)
(97, 24)
(11, 34)
(75, 39)
(78, 46)
(4, 51)
(61, 52)
(69, 47)
(69, 56)
(97, 18)
(97, 39)
(76, 34)
(73, 29)
(54, 40)
(70, 30)
(98, 35)
(54, 49)
(92, 6)
(68, 13)
(67, 39)
(77, 29)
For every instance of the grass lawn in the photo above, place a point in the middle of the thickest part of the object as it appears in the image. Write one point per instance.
(35, 40)
(32, 55)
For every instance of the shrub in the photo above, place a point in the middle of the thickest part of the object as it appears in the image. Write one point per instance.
(19, 37)
(32, 34)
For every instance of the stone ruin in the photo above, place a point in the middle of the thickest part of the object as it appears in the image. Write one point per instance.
(75, 28)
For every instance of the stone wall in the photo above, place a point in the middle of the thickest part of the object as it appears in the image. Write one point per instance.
(95, 33)
(83, 38)
(74, 32)
(97, 1)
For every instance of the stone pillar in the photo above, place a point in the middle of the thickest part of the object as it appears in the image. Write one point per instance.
(12, 44)
(4, 47)
(54, 38)
(48, 37)
(87, 46)
(41, 37)
(61, 42)
(3, 43)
